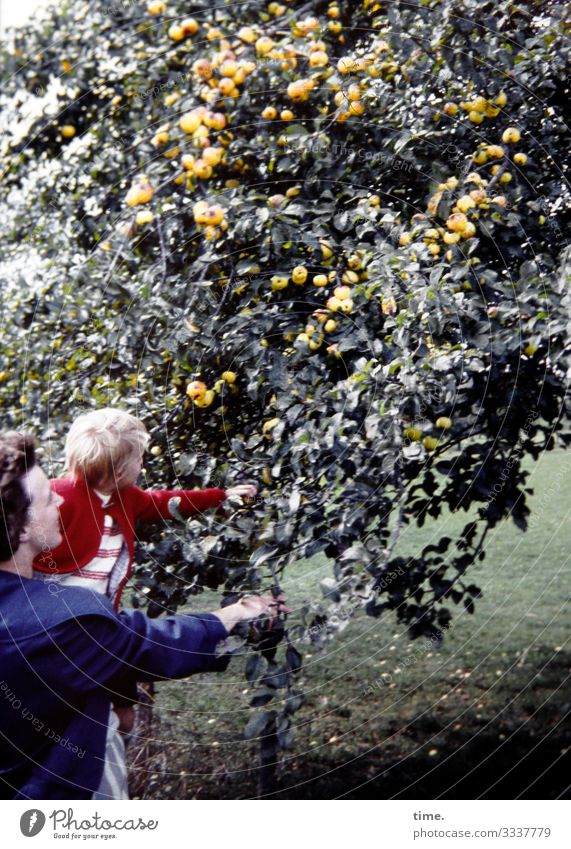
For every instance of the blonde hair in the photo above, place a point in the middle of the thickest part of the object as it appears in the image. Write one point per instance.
(101, 444)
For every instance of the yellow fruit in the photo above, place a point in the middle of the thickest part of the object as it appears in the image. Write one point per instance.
(4, 376)
(333, 304)
(346, 65)
(501, 99)
(270, 112)
(279, 282)
(239, 76)
(320, 280)
(189, 26)
(465, 203)
(479, 195)
(300, 90)
(480, 157)
(530, 350)
(214, 215)
(196, 389)
(228, 68)
(227, 88)
(412, 433)
(346, 306)
(511, 135)
(247, 34)
(434, 249)
(156, 450)
(357, 107)
(330, 325)
(450, 109)
(431, 233)
(172, 98)
(444, 423)
(229, 376)
(68, 131)
(145, 216)
(430, 443)
(451, 238)
(190, 122)
(318, 59)
(342, 292)
(350, 277)
(299, 274)
(326, 250)
(264, 45)
(212, 155)
(210, 232)
(287, 115)
(495, 151)
(457, 222)
(475, 117)
(203, 69)
(214, 120)
(500, 200)
(404, 239)
(161, 138)
(469, 230)
(140, 192)
(520, 158)
(353, 92)
(206, 399)
(202, 170)
(506, 177)
(176, 32)
(354, 262)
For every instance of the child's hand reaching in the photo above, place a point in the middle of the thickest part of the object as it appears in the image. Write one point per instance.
(244, 491)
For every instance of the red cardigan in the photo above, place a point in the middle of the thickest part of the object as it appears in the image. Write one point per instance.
(82, 515)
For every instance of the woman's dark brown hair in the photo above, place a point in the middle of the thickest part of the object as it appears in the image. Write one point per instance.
(17, 457)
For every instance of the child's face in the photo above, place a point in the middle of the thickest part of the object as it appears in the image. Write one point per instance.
(131, 472)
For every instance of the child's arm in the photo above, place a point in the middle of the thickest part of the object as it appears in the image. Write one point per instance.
(152, 505)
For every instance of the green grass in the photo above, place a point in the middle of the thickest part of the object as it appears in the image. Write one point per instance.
(482, 716)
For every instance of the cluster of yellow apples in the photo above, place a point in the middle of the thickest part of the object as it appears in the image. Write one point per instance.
(202, 396)
(211, 218)
(340, 302)
(478, 108)
(414, 434)
(487, 153)
(180, 31)
(460, 223)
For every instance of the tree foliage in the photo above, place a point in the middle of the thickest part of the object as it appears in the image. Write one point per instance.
(163, 176)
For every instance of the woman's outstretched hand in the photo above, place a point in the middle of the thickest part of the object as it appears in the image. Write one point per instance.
(252, 607)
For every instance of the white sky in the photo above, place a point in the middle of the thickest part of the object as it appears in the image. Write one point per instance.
(17, 12)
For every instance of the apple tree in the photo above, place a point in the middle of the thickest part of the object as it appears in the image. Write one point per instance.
(321, 247)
